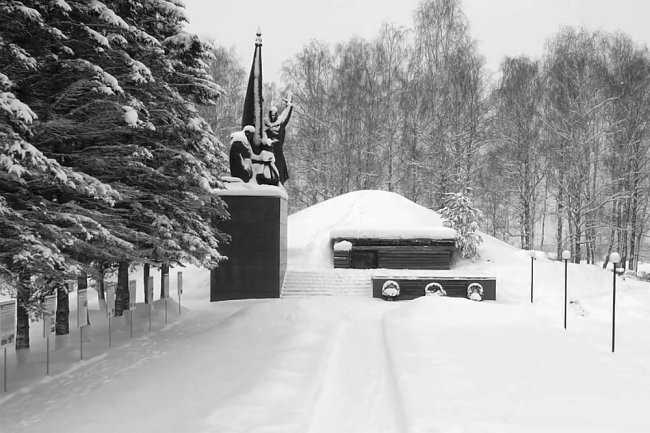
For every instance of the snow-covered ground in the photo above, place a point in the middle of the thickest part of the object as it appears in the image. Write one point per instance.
(352, 364)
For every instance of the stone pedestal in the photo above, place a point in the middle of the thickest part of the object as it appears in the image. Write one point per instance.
(257, 252)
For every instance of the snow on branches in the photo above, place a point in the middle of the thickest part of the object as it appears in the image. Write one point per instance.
(104, 156)
(465, 219)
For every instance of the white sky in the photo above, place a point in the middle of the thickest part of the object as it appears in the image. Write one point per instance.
(502, 27)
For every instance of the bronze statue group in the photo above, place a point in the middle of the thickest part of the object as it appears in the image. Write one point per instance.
(262, 159)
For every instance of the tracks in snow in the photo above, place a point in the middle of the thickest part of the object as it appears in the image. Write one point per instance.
(359, 393)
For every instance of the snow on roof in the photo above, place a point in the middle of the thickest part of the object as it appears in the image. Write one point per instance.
(392, 232)
(359, 214)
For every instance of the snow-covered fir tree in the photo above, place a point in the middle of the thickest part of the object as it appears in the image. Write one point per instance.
(465, 219)
(104, 157)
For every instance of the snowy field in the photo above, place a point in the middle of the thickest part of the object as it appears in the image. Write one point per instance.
(351, 364)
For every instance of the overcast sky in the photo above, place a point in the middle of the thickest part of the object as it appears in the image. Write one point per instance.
(502, 27)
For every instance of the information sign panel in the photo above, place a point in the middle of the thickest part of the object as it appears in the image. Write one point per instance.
(150, 290)
(165, 281)
(110, 299)
(82, 308)
(132, 287)
(7, 323)
(49, 316)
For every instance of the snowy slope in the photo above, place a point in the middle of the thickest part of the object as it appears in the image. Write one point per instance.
(353, 364)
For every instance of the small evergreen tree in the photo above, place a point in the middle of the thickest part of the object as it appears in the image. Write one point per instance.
(465, 218)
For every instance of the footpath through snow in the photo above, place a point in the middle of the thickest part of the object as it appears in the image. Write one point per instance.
(358, 391)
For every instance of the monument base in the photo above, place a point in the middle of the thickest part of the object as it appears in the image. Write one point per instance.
(257, 252)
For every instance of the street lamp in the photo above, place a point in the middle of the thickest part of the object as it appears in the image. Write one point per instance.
(615, 258)
(532, 260)
(566, 255)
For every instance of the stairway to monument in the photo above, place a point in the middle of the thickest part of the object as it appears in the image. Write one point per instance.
(327, 282)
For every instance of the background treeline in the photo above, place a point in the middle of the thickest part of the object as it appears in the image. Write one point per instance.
(553, 150)
(105, 161)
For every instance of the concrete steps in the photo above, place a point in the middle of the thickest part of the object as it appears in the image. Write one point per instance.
(327, 282)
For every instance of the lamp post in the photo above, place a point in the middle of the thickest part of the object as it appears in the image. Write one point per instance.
(532, 260)
(566, 255)
(615, 258)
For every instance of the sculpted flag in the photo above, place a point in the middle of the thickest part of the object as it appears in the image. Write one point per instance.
(253, 103)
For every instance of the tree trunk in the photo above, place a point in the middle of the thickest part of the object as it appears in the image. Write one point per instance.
(572, 243)
(62, 310)
(22, 320)
(577, 239)
(82, 284)
(638, 248)
(147, 269)
(591, 242)
(544, 211)
(101, 294)
(612, 233)
(623, 233)
(122, 291)
(560, 220)
(631, 260)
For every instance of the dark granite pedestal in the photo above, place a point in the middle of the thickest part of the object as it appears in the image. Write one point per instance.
(257, 252)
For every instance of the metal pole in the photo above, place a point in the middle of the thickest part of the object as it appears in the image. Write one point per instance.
(614, 308)
(47, 363)
(81, 343)
(165, 310)
(179, 289)
(532, 260)
(565, 290)
(5, 372)
(109, 331)
(131, 317)
(150, 314)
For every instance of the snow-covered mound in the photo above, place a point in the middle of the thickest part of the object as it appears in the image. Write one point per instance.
(310, 231)
(359, 214)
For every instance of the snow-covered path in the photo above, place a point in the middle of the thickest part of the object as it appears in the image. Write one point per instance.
(167, 365)
(327, 364)
(358, 392)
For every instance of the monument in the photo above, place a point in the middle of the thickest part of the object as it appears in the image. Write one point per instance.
(257, 203)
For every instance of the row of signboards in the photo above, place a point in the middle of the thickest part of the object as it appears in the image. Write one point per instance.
(8, 308)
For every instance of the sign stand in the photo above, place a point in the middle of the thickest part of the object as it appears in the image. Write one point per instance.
(110, 307)
(179, 289)
(150, 298)
(5, 372)
(165, 282)
(82, 318)
(47, 368)
(49, 325)
(132, 287)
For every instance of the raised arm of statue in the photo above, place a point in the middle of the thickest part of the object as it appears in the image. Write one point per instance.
(286, 115)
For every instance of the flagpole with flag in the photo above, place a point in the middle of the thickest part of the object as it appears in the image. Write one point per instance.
(253, 114)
